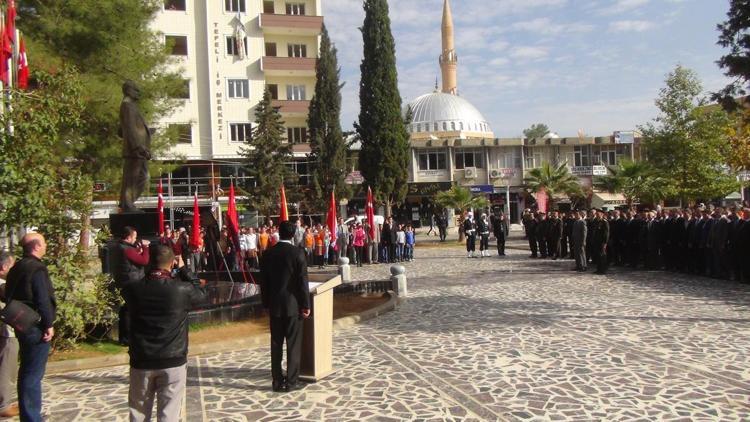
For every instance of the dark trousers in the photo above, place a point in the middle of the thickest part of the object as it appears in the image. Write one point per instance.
(500, 244)
(543, 247)
(602, 263)
(33, 363)
(289, 329)
(564, 247)
(443, 233)
(470, 242)
(532, 245)
(484, 241)
(123, 324)
(360, 251)
(553, 247)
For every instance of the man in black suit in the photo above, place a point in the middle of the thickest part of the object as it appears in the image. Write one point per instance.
(599, 240)
(286, 296)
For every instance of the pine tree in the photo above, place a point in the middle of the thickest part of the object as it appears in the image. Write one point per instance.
(328, 155)
(384, 158)
(265, 155)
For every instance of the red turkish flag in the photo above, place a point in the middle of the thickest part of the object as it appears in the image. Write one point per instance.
(23, 67)
(331, 219)
(284, 214)
(159, 204)
(195, 236)
(370, 211)
(233, 225)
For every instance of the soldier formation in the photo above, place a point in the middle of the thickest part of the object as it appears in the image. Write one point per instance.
(707, 241)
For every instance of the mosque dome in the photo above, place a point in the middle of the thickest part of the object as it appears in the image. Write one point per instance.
(441, 112)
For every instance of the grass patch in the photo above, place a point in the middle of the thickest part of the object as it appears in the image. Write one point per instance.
(88, 350)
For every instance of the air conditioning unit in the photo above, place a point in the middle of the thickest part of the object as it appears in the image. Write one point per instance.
(470, 173)
(495, 174)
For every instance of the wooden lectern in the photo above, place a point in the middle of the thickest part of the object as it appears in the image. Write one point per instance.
(317, 337)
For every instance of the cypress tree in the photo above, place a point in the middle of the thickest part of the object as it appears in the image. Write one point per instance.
(328, 155)
(265, 157)
(384, 158)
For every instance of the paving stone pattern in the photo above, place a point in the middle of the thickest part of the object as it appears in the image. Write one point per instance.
(489, 339)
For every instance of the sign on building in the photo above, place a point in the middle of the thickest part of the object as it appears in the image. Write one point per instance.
(599, 170)
(624, 137)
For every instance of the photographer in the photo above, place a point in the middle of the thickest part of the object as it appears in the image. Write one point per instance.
(131, 260)
(158, 350)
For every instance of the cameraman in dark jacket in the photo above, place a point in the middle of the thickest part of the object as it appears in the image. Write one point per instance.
(159, 306)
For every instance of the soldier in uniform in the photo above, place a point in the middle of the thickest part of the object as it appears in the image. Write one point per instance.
(500, 229)
(600, 237)
(578, 240)
(470, 229)
(530, 227)
(554, 235)
(566, 244)
(541, 234)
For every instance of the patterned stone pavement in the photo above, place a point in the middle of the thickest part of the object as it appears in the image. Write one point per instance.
(490, 339)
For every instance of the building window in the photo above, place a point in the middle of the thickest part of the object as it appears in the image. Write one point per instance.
(273, 89)
(303, 171)
(271, 49)
(234, 6)
(174, 5)
(238, 88)
(182, 92)
(268, 7)
(295, 93)
(240, 132)
(296, 135)
(178, 44)
(460, 125)
(581, 156)
(608, 156)
(445, 126)
(510, 159)
(232, 46)
(295, 9)
(532, 158)
(297, 50)
(419, 127)
(431, 160)
(469, 158)
(435, 127)
(184, 132)
(453, 125)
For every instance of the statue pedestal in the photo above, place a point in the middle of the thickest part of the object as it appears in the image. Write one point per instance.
(145, 223)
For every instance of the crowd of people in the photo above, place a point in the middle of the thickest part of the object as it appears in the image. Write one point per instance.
(496, 224)
(388, 243)
(703, 240)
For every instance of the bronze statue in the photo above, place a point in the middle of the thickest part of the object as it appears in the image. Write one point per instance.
(136, 149)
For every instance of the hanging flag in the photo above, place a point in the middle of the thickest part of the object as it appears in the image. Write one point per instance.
(233, 226)
(284, 214)
(240, 38)
(23, 68)
(9, 39)
(331, 219)
(159, 192)
(195, 235)
(541, 201)
(370, 213)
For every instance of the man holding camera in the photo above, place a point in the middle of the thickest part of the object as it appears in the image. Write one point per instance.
(159, 306)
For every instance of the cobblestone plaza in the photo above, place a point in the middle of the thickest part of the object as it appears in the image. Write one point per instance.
(489, 339)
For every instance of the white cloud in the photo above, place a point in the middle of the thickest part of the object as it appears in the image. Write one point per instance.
(621, 6)
(631, 26)
(528, 53)
(546, 26)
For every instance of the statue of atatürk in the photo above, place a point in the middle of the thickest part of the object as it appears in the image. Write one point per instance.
(136, 150)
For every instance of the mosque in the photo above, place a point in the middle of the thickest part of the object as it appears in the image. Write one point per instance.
(453, 144)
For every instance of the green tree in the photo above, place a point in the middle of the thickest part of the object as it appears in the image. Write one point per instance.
(637, 181)
(736, 64)
(536, 131)
(109, 42)
(461, 199)
(384, 158)
(687, 143)
(327, 144)
(44, 188)
(553, 180)
(265, 158)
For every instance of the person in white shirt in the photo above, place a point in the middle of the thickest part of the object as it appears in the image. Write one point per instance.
(8, 350)
(252, 247)
(400, 242)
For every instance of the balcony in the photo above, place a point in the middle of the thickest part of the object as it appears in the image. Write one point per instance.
(288, 66)
(290, 24)
(292, 108)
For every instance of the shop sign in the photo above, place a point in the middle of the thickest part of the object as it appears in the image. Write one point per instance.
(428, 189)
(599, 170)
(482, 189)
(622, 137)
(354, 178)
(582, 170)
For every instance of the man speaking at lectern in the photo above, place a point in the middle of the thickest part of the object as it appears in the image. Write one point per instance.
(286, 296)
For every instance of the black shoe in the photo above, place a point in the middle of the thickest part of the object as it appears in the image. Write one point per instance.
(294, 387)
(279, 387)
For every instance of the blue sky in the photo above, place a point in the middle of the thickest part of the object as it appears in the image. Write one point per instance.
(595, 65)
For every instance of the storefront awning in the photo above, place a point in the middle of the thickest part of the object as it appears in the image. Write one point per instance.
(608, 200)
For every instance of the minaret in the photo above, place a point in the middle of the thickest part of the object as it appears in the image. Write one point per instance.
(448, 60)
